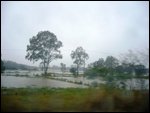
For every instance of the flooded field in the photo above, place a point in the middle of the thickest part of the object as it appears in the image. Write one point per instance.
(60, 80)
(18, 82)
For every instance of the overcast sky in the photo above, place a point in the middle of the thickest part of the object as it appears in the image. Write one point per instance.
(101, 28)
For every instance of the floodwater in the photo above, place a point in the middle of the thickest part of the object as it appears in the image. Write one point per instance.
(17, 82)
(13, 81)
(32, 72)
(130, 83)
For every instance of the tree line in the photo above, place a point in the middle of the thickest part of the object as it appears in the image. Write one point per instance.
(45, 47)
(10, 65)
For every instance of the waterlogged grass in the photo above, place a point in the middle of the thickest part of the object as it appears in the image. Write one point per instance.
(73, 99)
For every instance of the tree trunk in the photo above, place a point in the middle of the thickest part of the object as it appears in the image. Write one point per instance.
(84, 70)
(45, 72)
(46, 68)
(77, 70)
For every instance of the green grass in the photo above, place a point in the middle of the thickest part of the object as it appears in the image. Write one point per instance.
(73, 99)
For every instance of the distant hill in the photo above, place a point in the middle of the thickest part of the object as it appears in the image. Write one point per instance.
(13, 66)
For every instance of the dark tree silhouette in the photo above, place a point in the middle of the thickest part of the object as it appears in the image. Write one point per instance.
(44, 46)
(79, 56)
(63, 67)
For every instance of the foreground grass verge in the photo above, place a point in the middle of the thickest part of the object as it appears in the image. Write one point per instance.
(73, 99)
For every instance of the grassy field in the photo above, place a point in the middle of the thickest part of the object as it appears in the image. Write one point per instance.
(73, 99)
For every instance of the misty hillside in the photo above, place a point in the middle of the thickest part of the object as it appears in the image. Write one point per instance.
(14, 65)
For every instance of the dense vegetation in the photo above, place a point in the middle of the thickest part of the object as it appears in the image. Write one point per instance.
(111, 70)
(73, 99)
(112, 66)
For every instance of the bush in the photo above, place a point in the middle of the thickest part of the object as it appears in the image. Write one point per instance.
(91, 73)
(94, 84)
(74, 71)
(96, 72)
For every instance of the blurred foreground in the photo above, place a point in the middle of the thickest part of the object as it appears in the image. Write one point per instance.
(73, 99)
